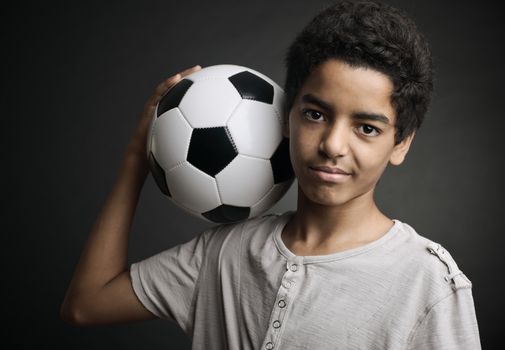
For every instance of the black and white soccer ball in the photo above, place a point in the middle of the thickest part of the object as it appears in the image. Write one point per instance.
(215, 144)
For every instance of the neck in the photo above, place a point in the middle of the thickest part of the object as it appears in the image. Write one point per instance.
(356, 222)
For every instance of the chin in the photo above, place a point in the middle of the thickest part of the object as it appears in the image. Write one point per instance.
(331, 196)
(317, 196)
(332, 202)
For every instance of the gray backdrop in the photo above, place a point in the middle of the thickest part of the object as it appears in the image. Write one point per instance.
(76, 76)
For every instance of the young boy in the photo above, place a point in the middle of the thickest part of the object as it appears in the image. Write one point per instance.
(335, 274)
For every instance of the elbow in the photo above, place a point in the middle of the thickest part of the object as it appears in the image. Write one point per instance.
(71, 314)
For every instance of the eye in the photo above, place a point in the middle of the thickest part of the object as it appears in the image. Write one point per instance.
(369, 130)
(313, 115)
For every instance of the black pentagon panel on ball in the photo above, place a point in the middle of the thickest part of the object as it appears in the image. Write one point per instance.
(253, 87)
(158, 174)
(281, 163)
(227, 213)
(211, 149)
(173, 97)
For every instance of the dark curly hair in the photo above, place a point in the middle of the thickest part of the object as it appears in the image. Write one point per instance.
(373, 35)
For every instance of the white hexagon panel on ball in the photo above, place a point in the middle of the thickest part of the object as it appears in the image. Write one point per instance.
(209, 103)
(222, 71)
(170, 139)
(255, 128)
(244, 181)
(193, 188)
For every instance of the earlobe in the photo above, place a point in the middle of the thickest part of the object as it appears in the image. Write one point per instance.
(400, 150)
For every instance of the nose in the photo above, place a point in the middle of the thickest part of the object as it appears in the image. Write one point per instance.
(335, 141)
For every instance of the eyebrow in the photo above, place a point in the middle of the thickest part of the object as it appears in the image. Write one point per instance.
(309, 98)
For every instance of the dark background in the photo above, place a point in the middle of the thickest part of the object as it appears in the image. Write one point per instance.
(77, 74)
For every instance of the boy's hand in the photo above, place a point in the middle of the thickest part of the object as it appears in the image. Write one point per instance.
(137, 147)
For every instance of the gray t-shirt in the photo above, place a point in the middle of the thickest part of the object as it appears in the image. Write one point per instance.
(237, 286)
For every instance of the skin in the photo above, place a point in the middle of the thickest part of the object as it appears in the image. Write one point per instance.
(329, 125)
(330, 216)
(101, 291)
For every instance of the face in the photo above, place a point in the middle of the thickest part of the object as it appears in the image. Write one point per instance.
(341, 130)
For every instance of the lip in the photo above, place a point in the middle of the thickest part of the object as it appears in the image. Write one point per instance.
(329, 174)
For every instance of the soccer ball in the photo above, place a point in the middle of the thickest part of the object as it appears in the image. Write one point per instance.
(215, 144)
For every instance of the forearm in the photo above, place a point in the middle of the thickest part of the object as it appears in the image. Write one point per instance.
(105, 253)
(100, 284)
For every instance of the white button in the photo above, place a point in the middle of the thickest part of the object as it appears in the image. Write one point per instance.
(269, 346)
(281, 303)
(276, 324)
(287, 284)
(294, 267)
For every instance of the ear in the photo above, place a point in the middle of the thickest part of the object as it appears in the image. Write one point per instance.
(400, 150)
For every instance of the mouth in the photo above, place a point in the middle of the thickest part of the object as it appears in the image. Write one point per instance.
(330, 170)
(329, 174)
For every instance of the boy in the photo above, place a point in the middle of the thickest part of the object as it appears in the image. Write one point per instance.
(337, 272)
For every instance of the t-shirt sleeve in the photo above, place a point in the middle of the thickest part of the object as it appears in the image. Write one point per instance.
(165, 282)
(450, 324)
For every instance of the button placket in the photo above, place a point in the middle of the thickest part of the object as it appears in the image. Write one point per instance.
(287, 284)
(285, 296)
(277, 318)
(293, 265)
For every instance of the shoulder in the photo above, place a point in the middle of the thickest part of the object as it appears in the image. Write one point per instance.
(255, 229)
(259, 224)
(430, 261)
(444, 313)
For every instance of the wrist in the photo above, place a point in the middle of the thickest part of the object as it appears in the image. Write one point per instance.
(135, 163)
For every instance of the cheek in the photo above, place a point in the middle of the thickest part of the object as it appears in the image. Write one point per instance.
(300, 151)
(302, 145)
(371, 164)
(295, 153)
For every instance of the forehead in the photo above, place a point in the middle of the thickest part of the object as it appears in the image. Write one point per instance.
(350, 89)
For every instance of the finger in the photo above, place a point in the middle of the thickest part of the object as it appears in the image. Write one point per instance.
(165, 85)
(162, 88)
(190, 70)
